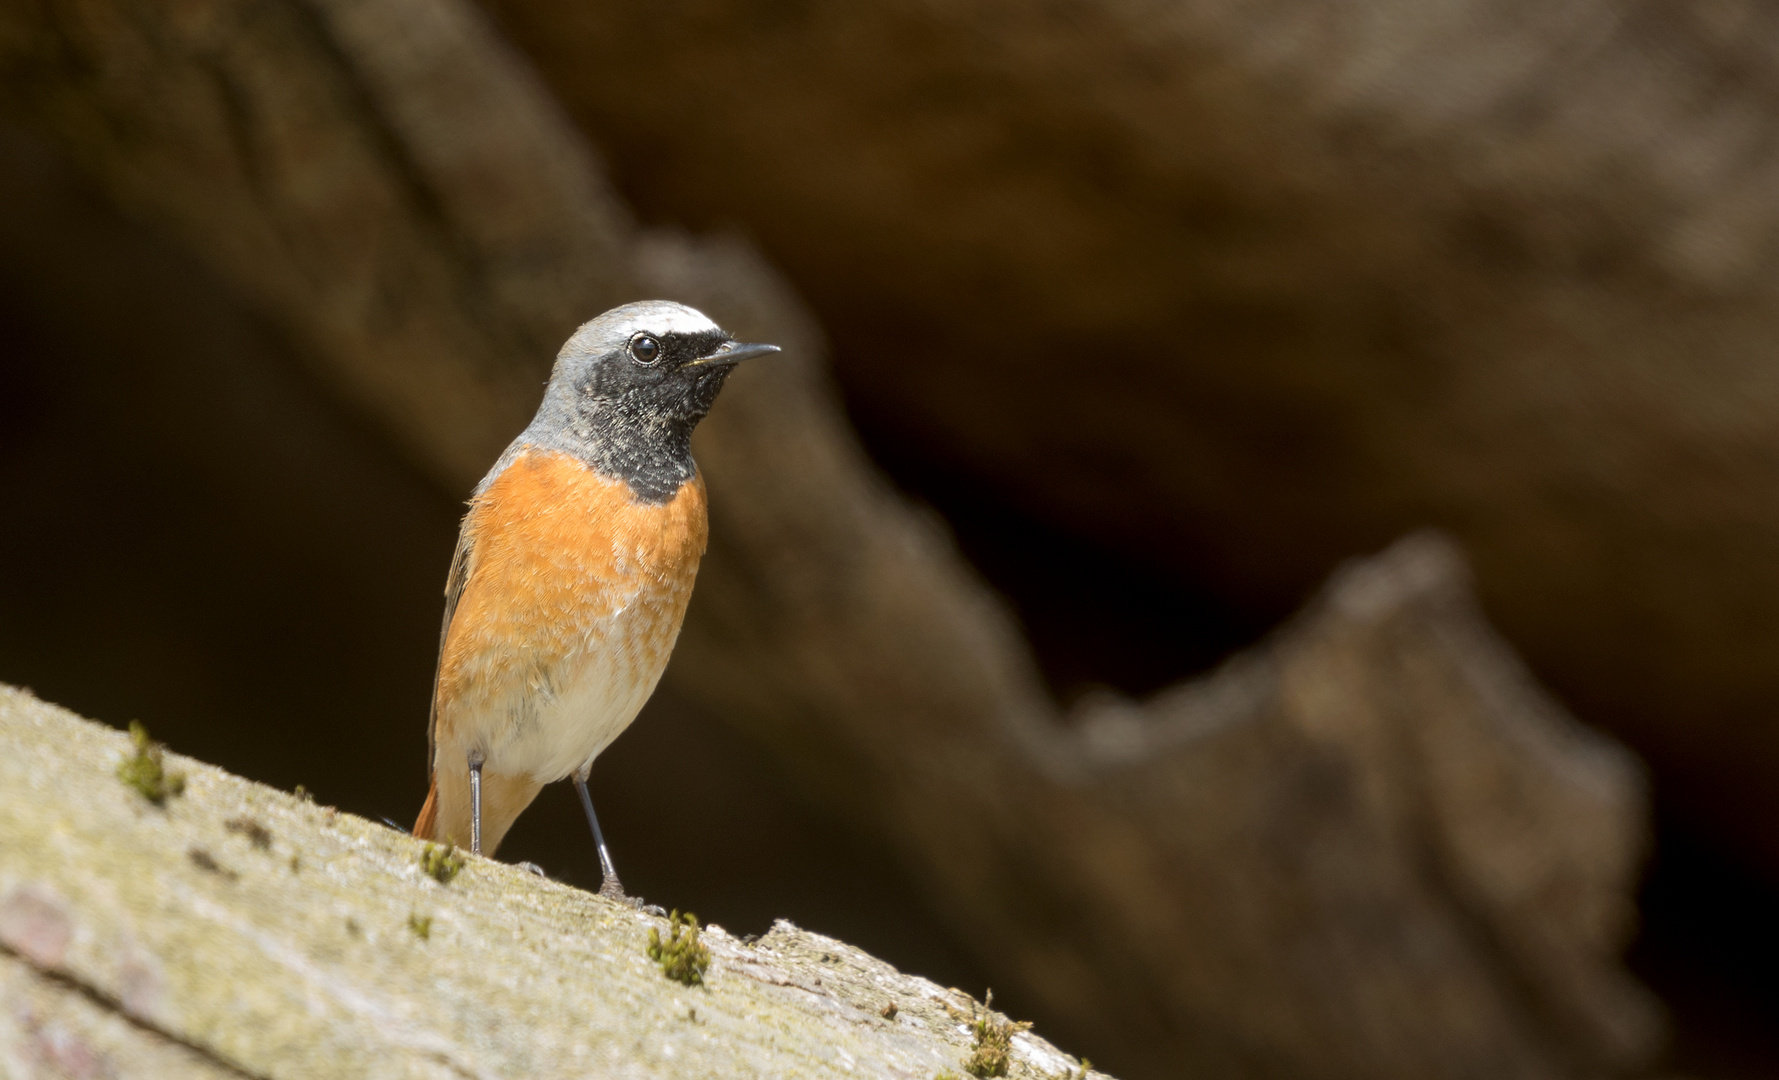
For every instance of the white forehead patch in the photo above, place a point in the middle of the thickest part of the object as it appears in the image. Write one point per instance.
(665, 317)
(659, 317)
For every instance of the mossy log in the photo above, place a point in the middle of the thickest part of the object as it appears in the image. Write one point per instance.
(235, 930)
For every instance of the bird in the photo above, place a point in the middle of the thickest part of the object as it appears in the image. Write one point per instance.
(573, 568)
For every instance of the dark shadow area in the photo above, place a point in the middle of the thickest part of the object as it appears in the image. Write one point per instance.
(1094, 617)
(200, 537)
(1709, 947)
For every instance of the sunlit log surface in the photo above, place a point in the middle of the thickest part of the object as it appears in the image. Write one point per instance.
(241, 931)
(1371, 848)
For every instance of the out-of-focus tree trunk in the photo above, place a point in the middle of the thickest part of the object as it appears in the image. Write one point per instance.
(1371, 848)
(1243, 290)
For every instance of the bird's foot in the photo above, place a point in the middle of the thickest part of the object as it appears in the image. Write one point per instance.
(612, 889)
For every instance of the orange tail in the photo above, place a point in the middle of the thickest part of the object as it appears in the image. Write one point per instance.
(429, 812)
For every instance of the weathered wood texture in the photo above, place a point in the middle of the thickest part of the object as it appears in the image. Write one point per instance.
(147, 941)
(1373, 849)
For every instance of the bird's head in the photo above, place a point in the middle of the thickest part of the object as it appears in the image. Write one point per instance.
(650, 362)
(629, 387)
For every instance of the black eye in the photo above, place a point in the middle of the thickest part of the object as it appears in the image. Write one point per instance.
(645, 349)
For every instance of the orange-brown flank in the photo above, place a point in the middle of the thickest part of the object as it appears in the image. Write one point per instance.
(573, 597)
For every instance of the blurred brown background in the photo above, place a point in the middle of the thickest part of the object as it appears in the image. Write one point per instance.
(1166, 310)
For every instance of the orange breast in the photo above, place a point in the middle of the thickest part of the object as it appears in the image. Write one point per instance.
(563, 561)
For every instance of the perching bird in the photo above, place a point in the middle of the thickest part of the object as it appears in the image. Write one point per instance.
(572, 571)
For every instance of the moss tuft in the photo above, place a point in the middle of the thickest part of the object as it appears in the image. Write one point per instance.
(146, 771)
(683, 958)
(993, 1052)
(442, 863)
(421, 925)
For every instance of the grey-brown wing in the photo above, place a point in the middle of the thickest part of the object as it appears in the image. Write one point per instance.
(454, 583)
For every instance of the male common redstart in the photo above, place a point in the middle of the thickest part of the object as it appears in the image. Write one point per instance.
(572, 571)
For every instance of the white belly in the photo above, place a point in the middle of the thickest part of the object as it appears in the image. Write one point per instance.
(573, 706)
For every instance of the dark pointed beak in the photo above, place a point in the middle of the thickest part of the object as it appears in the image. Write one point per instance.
(733, 353)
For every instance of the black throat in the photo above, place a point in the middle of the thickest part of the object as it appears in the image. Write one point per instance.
(634, 422)
(649, 451)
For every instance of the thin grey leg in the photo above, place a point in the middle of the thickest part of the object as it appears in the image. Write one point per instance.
(610, 886)
(475, 804)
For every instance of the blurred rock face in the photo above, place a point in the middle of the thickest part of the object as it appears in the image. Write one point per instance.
(1238, 293)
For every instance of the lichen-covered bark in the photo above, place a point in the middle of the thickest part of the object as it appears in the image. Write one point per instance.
(173, 941)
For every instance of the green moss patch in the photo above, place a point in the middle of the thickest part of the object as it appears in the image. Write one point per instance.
(441, 863)
(146, 771)
(993, 1053)
(683, 958)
